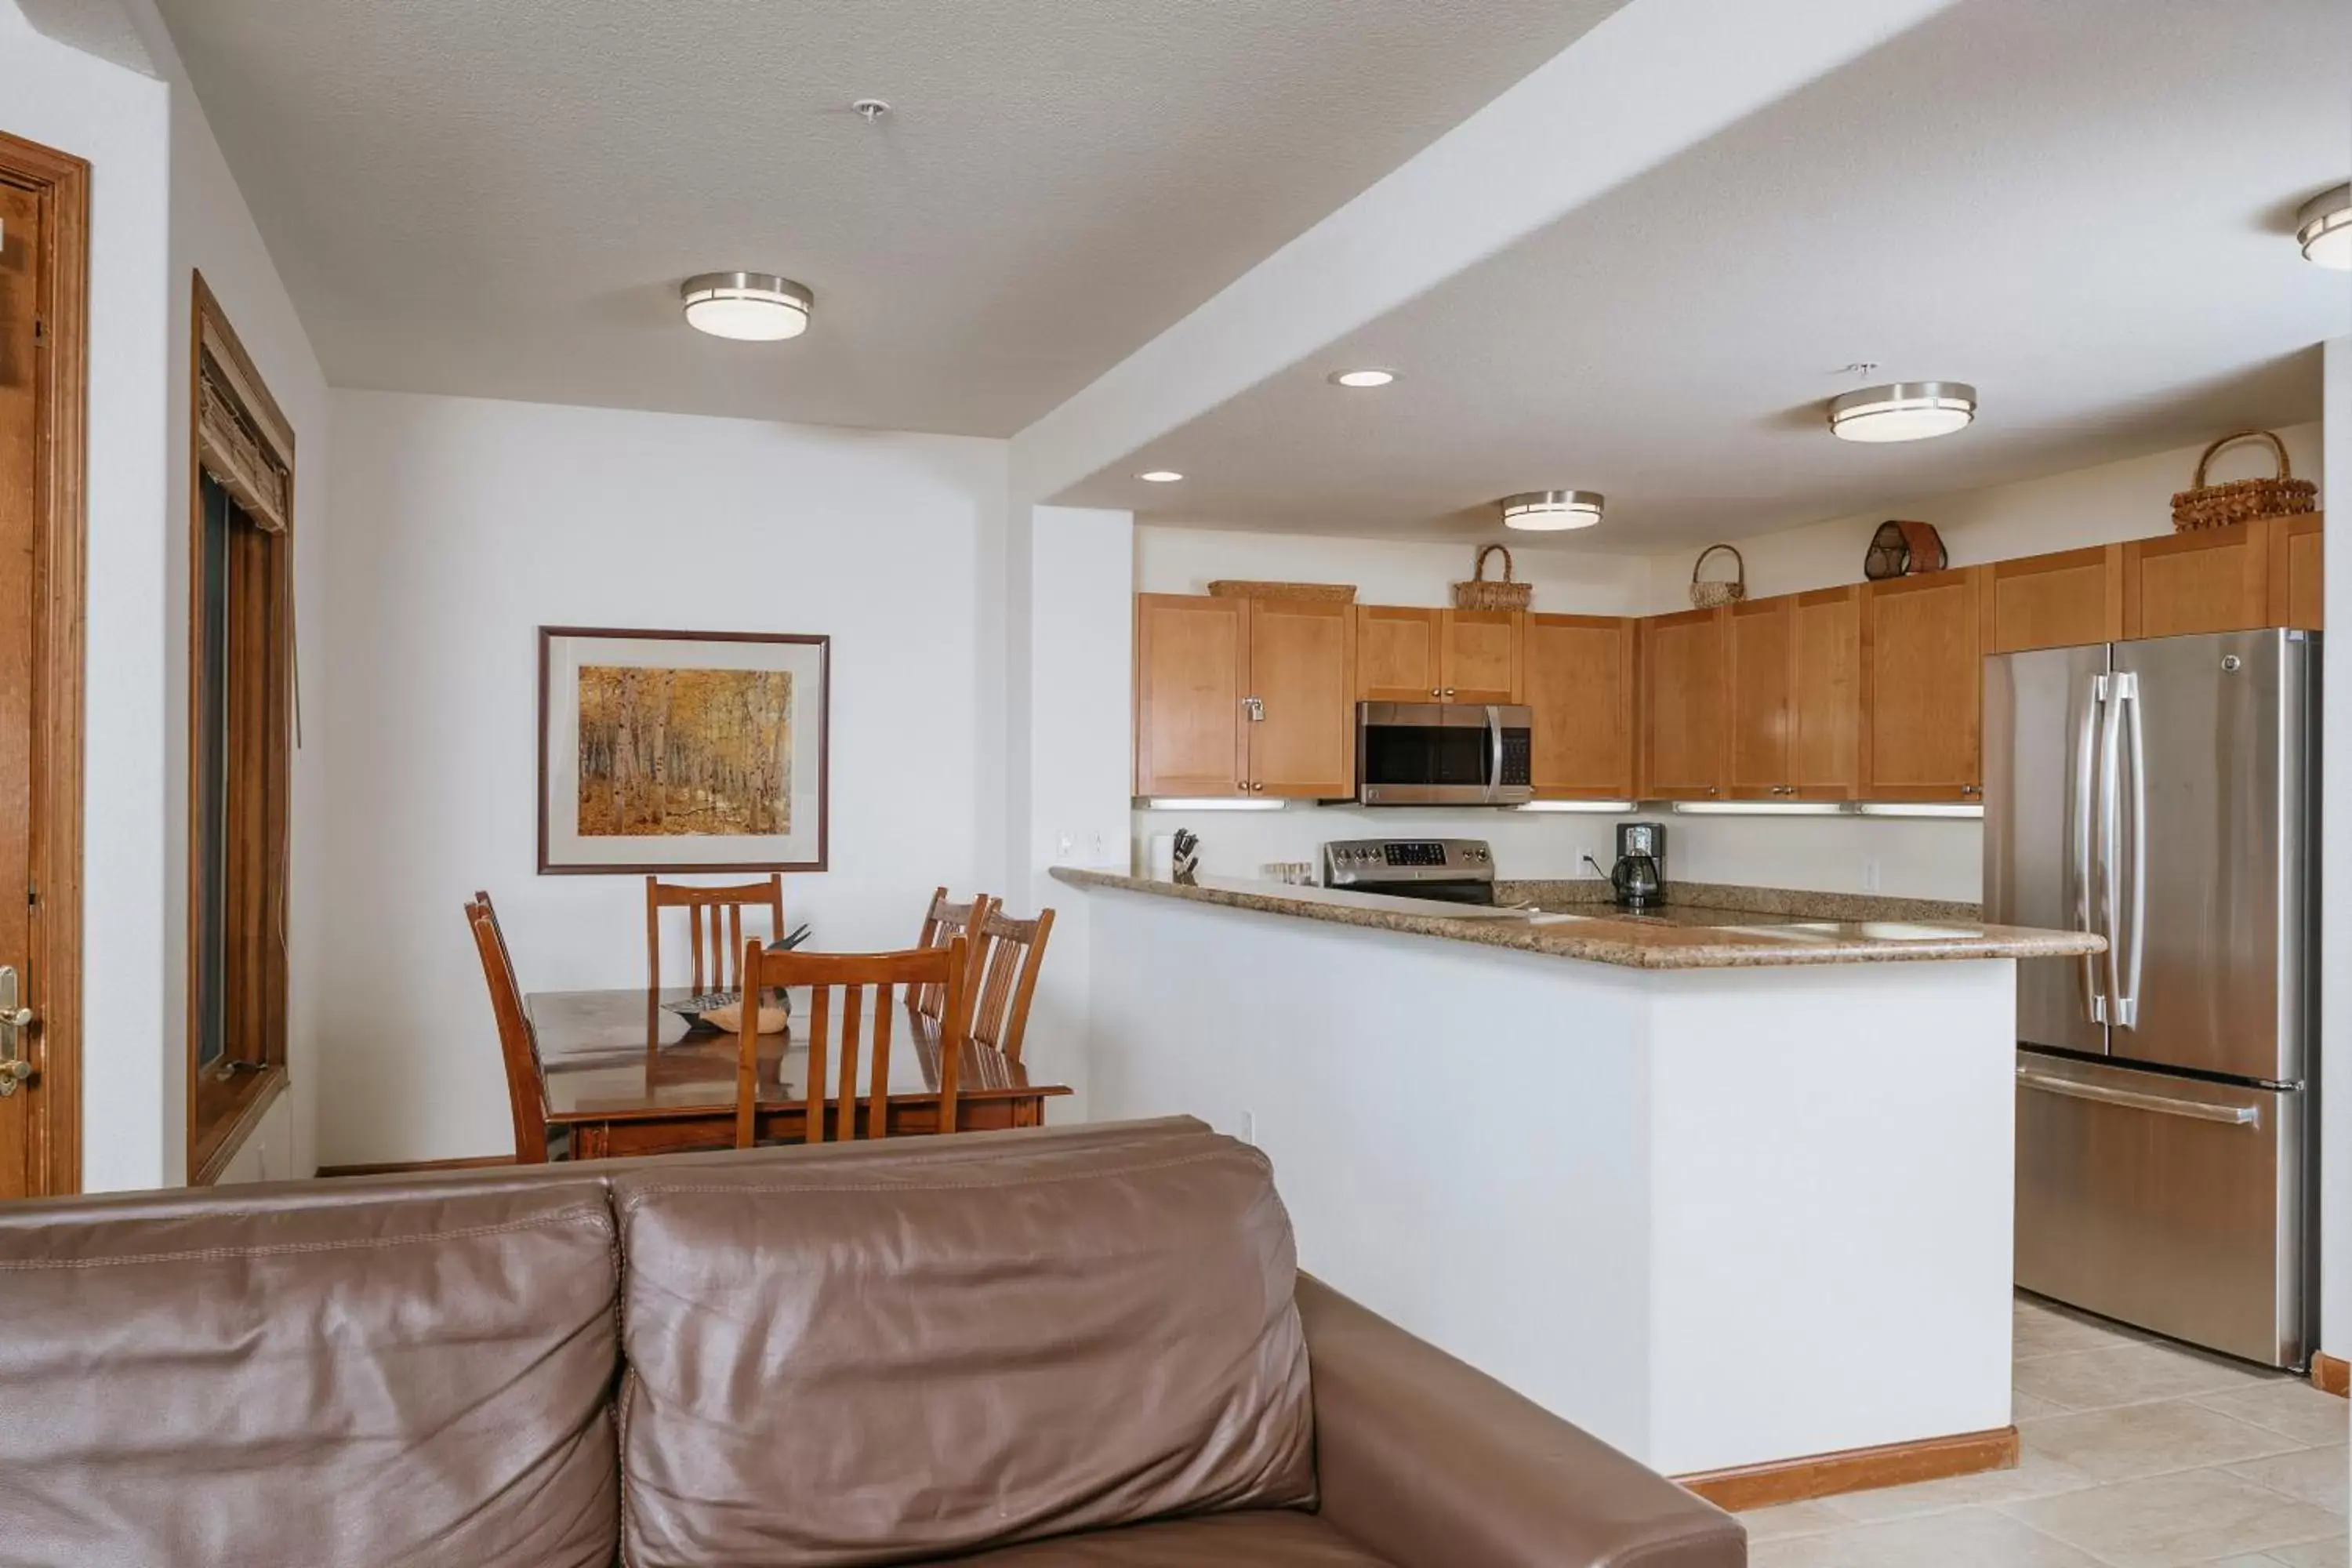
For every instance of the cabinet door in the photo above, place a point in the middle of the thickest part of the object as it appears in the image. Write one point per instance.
(1398, 656)
(1482, 656)
(1302, 670)
(2213, 580)
(2063, 600)
(2297, 588)
(1926, 683)
(1683, 705)
(1578, 672)
(1825, 710)
(1755, 660)
(1191, 659)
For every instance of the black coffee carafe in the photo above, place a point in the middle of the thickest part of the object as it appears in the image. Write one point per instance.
(1639, 876)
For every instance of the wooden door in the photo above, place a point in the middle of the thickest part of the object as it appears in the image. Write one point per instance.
(1756, 668)
(2298, 585)
(2213, 580)
(1399, 655)
(1926, 684)
(1191, 664)
(1825, 706)
(2061, 600)
(1683, 705)
(44, 226)
(1302, 670)
(1481, 656)
(1577, 676)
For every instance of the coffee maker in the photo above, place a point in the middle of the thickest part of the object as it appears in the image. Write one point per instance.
(1640, 874)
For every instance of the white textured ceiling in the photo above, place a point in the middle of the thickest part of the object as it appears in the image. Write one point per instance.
(500, 199)
(2085, 208)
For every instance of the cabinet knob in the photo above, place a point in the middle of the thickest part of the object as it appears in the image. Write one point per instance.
(1434, 691)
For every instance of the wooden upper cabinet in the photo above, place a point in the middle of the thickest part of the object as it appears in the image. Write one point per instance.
(1400, 655)
(1683, 703)
(2299, 588)
(2061, 600)
(1924, 674)
(1482, 656)
(2211, 580)
(1757, 663)
(1302, 671)
(1578, 675)
(1191, 658)
(1825, 706)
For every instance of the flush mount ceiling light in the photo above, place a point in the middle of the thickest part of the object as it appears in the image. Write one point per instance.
(1550, 512)
(1160, 476)
(753, 307)
(1360, 378)
(2324, 228)
(1902, 411)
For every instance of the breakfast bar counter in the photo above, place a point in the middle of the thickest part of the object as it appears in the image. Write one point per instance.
(1729, 1187)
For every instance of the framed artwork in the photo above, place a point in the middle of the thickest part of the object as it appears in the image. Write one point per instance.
(681, 750)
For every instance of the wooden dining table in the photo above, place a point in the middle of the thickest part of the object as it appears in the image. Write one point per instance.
(628, 1076)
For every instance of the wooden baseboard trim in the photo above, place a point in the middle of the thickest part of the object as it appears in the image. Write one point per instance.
(2332, 1375)
(1855, 1469)
(406, 1167)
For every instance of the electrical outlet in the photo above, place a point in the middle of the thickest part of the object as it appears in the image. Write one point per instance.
(1097, 856)
(1870, 873)
(1064, 844)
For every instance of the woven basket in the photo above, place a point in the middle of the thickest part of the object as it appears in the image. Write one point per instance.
(1711, 592)
(2243, 500)
(1480, 594)
(1320, 593)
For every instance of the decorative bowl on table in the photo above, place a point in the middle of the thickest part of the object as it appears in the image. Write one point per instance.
(721, 1012)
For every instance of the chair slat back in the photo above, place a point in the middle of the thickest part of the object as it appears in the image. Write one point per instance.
(943, 921)
(517, 1044)
(714, 927)
(839, 1034)
(1011, 954)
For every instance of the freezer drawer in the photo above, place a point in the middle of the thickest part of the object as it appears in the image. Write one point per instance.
(2172, 1202)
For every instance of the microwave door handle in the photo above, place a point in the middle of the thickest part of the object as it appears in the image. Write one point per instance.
(1495, 760)
(2084, 825)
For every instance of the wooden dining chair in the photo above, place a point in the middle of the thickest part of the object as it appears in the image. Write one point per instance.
(833, 1054)
(1011, 954)
(517, 1044)
(942, 923)
(721, 909)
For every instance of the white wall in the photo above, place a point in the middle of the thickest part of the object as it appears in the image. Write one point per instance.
(1385, 571)
(2335, 894)
(464, 525)
(120, 120)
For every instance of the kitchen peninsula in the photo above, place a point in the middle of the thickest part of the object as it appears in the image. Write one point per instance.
(1730, 1189)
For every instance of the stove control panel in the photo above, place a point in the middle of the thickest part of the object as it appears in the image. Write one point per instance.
(1367, 862)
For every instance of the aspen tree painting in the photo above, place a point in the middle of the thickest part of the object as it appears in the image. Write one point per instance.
(681, 750)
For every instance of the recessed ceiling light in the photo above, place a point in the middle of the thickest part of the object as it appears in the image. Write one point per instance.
(753, 307)
(1361, 377)
(2324, 228)
(1902, 411)
(1551, 511)
(1160, 476)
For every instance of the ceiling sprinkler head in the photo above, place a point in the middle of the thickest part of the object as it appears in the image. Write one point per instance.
(870, 108)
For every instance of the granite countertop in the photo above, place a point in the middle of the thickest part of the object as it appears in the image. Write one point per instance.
(1573, 923)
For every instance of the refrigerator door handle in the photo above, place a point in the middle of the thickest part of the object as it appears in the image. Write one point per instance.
(2127, 705)
(2111, 837)
(2084, 820)
(2162, 1104)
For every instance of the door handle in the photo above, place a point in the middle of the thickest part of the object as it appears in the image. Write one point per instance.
(14, 1065)
(2086, 817)
(1254, 709)
(2127, 705)
(2132, 1100)
(2111, 841)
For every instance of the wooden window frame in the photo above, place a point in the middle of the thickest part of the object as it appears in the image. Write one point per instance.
(228, 1102)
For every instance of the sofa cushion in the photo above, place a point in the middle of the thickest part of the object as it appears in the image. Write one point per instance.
(316, 1380)
(1259, 1540)
(914, 1349)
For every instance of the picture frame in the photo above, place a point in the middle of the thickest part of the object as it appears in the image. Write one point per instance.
(680, 752)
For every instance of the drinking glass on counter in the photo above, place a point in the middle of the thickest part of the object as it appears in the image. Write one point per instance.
(1295, 873)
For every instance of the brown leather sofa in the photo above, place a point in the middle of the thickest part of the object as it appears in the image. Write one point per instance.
(1077, 1348)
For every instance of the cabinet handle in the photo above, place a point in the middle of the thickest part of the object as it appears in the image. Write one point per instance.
(1449, 691)
(1254, 709)
(1434, 691)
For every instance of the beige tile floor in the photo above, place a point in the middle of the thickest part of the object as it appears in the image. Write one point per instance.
(2136, 1453)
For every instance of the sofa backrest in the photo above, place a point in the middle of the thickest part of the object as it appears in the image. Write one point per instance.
(313, 1375)
(898, 1354)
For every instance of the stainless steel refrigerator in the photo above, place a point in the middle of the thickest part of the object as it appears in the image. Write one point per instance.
(2164, 794)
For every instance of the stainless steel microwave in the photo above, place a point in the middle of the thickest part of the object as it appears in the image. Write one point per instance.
(1443, 753)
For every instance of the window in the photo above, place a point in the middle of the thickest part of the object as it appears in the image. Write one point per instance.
(240, 740)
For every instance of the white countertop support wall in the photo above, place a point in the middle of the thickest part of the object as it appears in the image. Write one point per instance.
(1717, 1216)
